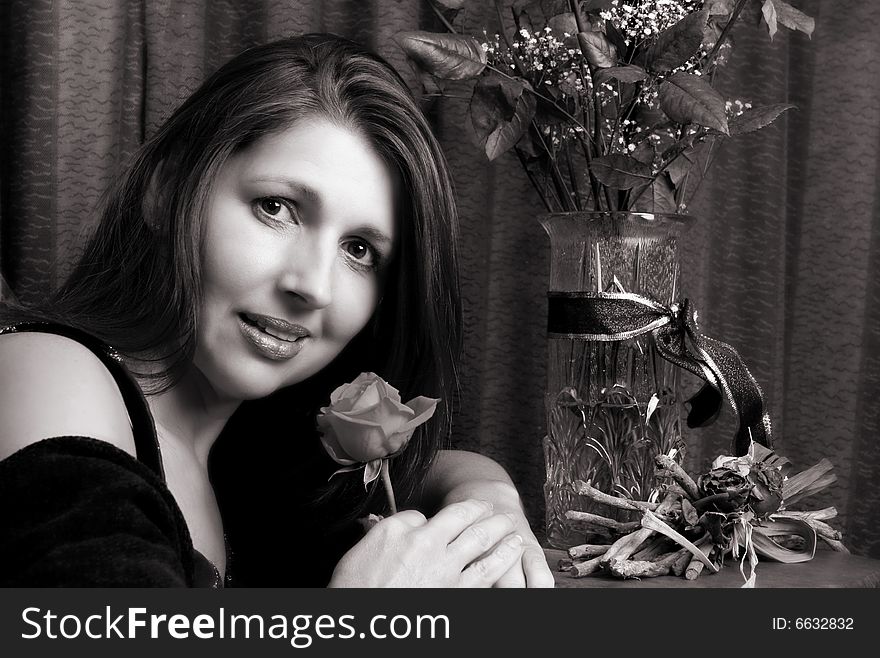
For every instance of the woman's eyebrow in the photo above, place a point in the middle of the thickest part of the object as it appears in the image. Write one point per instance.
(303, 190)
(377, 237)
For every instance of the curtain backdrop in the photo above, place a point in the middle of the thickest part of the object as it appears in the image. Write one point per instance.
(781, 262)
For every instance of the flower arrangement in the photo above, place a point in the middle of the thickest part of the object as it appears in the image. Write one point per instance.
(608, 105)
(366, 426)
(741, 507)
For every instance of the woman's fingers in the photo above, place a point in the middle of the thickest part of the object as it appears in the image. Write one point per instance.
(410, 517)
(485, 571)
(535, 567)
(479, 537)
(450, 521)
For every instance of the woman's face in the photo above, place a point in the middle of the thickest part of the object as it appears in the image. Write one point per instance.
(298, 229)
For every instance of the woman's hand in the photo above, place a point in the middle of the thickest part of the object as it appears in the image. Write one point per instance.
(464, 545)
(458, 475)
(532, 569)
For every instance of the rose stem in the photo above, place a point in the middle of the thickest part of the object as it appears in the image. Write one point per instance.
(389, 490)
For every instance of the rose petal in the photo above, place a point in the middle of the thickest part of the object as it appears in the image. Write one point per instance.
(399, 440)
(337, 454)
(388, 390)
(368, 398)
(371, 471)
(423, 408)
(361, 440)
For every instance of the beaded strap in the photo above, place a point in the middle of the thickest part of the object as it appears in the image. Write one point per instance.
(142, 424)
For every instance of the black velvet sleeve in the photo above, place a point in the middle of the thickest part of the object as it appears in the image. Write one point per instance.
(77, 512)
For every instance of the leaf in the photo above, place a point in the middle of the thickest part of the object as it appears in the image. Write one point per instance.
(688, 98)
(598, 50)
(756, 118)
(448, 56)
(768, 9)
(658, 197)
(501, 110)
(630, 74)
(652, 407)
(620, 172)
(793, 18)
(693, 161)
(762, 538)
(615, 36)
(567, 23)
(677, 44)
(644, 152)
(778, 11)
(451, 4)
(808, 482)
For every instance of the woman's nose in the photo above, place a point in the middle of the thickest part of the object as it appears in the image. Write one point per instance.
(309, 271)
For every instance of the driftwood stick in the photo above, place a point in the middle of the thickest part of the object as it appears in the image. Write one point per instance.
(586, 551)
(693, 569)
(652, 522)
(657, 545)
(678, 474)
(564, 564)
(585, 568)
(681, 562)
(595, 519)
(586, 489)
(685, 556)
(642, 569)
(624, 547)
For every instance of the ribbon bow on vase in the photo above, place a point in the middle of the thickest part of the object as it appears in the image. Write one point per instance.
(615, 316)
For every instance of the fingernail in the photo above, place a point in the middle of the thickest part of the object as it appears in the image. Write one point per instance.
(516, 540)
(488, 504)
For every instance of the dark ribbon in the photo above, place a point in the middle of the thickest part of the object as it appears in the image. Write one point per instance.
(614, 316)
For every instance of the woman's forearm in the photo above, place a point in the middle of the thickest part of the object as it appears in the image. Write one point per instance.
(457, 475)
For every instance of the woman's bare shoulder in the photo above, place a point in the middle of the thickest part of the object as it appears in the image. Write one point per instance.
(51, 385)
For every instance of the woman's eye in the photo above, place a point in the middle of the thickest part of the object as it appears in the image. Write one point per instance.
(271, 206)
(274, 208)
(361, 252)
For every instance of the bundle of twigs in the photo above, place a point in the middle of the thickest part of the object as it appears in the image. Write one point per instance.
(696, 524)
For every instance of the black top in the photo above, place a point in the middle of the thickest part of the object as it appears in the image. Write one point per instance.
(75, 511)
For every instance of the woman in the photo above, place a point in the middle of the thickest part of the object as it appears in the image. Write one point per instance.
(291, 225)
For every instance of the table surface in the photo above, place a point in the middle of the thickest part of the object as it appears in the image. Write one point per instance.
(827, 569)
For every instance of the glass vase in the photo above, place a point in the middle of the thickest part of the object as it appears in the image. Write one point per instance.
(611, 407)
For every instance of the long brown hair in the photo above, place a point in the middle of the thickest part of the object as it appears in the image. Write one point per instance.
(138, 284)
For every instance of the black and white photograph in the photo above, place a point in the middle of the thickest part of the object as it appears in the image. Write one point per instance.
(571, 295)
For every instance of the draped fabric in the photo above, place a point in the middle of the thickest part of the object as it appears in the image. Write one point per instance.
(781, 262)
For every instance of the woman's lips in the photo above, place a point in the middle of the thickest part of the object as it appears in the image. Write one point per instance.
(274, 338)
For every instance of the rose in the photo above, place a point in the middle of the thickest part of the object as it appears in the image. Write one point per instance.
(731, 487)
(766, 497)
(366, 424)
